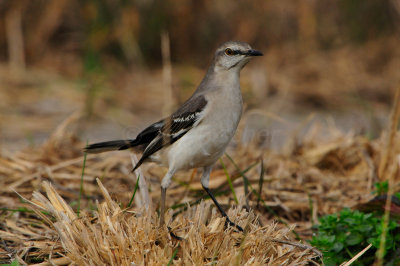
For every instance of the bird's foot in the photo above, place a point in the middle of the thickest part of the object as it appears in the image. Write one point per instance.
(172, 234)
(229, 222)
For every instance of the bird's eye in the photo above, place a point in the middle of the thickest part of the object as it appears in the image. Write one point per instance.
(229, 51)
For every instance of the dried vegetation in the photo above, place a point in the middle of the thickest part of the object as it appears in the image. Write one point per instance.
(315, 63)
(308, 180)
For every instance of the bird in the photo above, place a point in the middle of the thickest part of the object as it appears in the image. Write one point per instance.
(198, 132)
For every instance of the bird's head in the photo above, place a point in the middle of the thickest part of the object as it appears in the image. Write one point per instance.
(234, 55)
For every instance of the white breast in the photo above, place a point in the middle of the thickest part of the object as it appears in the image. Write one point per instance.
(205, 143)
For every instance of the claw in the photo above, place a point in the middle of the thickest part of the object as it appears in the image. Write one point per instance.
(238, 227)
(173, 235)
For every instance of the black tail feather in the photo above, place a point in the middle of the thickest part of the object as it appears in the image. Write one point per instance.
(142, 140)
(114, 145)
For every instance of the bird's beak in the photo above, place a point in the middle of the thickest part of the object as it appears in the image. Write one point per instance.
(252, 52)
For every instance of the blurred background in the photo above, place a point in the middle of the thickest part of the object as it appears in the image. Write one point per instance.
(123, 63)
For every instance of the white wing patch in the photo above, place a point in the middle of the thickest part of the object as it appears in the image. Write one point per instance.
(169, 130)
(192, 116)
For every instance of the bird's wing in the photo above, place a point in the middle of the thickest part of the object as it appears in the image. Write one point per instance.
(169, 130)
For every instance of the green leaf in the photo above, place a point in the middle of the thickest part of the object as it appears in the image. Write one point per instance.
(332, 260)
(329, 239)
(368, 215)
(173, 255)
(354, 239)
(350, 220)
(381, 187)
(364, 228)
(134, 191)
(337, 247)
(374, 241)
(341, 235)
(13, 263)
(397, 195)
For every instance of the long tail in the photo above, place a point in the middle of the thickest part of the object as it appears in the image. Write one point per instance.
(114, 145)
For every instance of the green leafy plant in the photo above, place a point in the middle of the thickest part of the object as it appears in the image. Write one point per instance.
(341, 236)
(13, 263)
(382, 188)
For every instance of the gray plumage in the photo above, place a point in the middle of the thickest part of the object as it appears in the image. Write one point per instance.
(160, 134)
(197, 134)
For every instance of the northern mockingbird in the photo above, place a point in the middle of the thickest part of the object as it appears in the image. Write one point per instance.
(196, 135)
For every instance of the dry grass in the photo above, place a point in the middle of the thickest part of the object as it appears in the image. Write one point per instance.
(112, 236)
(310, 179)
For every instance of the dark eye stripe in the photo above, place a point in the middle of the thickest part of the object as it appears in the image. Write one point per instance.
(235, 52)
(230, 52)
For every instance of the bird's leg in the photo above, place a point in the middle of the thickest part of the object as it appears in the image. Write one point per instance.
(223, 213)
(204, 181)
(162, 212)
(164, 185)
(162, 208)
(166, 181)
